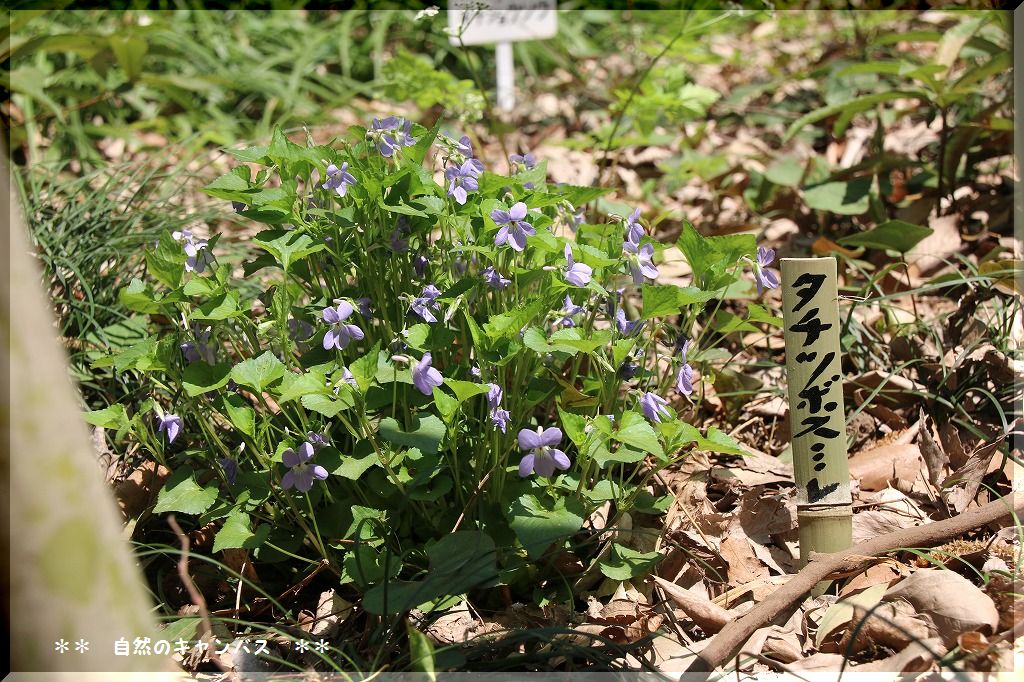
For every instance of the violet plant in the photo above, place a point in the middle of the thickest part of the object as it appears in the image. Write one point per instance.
(424, 360)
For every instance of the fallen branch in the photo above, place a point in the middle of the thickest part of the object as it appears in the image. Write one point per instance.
(727, 643)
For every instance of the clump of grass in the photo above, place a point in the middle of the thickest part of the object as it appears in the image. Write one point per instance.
(88, 232)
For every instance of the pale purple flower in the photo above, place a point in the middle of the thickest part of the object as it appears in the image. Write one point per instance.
(198, 255)
(684, 379)
(500, 419)
(317, 440)
(653, 406)
(634, 230)
(422, 304)
(425, 377)
(494, 396)
(390, 135)
(568, 310)
(301, 471)
(543, 457)
(339, 179)
(363, 306)
(170, 424)
(765, 278)
(494, 279)
(347, 377)
(465, 148)
(340, 334)
(639, 261)
(238, 206)
(514, 229)
(577, 274)
(627, 327)
(475, 372)
(462, 179)
(521, 162)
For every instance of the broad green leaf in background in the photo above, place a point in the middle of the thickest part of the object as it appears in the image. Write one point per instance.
(200, 377)
(426, 433)
(635, 431)
(236, 533)
(895, 235)
(287, 246)
(845, 198)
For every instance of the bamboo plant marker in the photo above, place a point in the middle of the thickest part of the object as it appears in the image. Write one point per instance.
(810, 309)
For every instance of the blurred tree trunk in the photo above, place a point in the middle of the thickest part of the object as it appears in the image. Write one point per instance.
(72, 574)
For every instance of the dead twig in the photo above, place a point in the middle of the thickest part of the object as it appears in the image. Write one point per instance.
(727, 643)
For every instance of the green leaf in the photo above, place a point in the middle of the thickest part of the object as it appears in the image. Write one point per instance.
(258, 373)
(844, 198)
(668, 299)
(241, 415)
(709, 258)
(426, 434)
(459, 562)
(421, 652)
(218, 308)
(852, 106)
(112, 417)
(507, 324)
(167, 261)
(347, 466)
(287, 246)
(895, 235)
(635, 431)
(623, 455)
(200, 377)
(129, 51)
(183, 494)
(538, 523)
(235, 533)
(758, 313)
(294, 386)
(365, 368)
(138, 296)
(446, 405)
(464, 390)
(626, 564)
(575, 426)
(325, 405)
(364, 566)
(786, 171)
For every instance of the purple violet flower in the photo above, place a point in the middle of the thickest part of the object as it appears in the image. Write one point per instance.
(317, 440)
(521, 162)
(340, 334)
(197, 253)
(577, 274)
(684, 379)
(425, 377)
(627, 327)
(301, 472)
(653, 406)
(395, 241)
(568, 311)
(494, 396)
(500, 419)
(475, 372)
(339, 179)
(494, 279)
(299, 330)
(465, 148)
(363, 306)
(170, 424)
(765, 278)
(634, 230)
(514, 229)
(422, 304)
(390, 135)
(639, 261)
(201, 348)
(543, 457)
(462, 179)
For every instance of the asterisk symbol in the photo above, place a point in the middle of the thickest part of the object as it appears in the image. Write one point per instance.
(302, 646)
(81, 646)
(60, 646)
(321, 645)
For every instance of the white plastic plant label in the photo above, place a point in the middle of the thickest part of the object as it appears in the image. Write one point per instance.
(483, 22)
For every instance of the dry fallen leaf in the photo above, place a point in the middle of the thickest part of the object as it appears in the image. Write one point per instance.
(876, 467)
(952, 603)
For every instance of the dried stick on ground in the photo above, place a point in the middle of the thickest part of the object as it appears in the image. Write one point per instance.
(727, 643)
